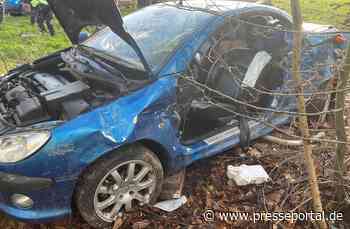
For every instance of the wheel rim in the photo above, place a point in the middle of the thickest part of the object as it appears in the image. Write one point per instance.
(125, 186)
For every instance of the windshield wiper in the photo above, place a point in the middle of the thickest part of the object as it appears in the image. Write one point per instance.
(100, 61)
(104, 55)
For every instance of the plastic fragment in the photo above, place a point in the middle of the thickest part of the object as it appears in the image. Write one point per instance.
(171, 205)
(246, 175)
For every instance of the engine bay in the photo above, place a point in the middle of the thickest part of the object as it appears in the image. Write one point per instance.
(37, 97)
(55, 90)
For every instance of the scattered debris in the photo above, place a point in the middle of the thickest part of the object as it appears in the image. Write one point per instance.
(255, 153)
(173, 186)
(245, 175)
(141, 224)
(171, 205)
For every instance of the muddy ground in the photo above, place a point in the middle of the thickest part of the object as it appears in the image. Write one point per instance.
(207, 187)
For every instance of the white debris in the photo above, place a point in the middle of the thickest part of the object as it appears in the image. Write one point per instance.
(245, 175)
(171, 205)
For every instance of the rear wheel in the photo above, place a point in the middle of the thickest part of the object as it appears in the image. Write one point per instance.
(117, 183)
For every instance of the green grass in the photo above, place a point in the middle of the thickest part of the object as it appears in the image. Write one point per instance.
(334, 12)
(21, 42)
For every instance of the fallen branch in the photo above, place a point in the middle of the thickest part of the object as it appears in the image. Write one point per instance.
(287, 142)
(281, 141)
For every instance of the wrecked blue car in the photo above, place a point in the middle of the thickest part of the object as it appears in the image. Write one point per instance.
(100, 126)
(13, 7)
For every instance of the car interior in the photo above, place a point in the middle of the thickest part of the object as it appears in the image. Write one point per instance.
(213, 85)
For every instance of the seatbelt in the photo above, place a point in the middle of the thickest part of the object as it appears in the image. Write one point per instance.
(244, 135)
(252, 75)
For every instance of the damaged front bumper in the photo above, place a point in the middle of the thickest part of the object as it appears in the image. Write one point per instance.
(49, 195)
(15, 186)
(50, 200)
(20, 184)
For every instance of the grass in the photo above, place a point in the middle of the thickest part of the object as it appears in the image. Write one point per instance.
(334, 12)
(21, 42)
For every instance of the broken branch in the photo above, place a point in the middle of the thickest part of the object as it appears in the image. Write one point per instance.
(286, 142)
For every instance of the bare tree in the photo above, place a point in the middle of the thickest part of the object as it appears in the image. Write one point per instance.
(303, 120)
(340, 127)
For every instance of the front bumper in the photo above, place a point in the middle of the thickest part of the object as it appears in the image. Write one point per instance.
(19, 184)
(52, 200)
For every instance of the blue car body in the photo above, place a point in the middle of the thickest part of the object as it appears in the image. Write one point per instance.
(13, 6)
(144, 116)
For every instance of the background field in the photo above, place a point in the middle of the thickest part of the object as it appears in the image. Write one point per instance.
(334, 12)
(21, 42)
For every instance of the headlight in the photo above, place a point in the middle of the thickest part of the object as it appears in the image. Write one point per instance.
(17, 147)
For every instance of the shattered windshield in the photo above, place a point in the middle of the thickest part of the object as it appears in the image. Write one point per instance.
(158, 30)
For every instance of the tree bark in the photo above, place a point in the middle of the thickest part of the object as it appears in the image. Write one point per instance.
(340, 127)
(303, 120)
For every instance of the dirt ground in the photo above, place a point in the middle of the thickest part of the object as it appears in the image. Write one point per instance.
(207, 187)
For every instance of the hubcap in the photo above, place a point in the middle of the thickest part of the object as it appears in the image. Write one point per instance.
(128, 184)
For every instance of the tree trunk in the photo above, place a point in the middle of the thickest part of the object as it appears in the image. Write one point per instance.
(303, 120)
(340, 127)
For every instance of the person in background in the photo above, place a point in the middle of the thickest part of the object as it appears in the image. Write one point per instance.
(43, 16)
(29, 9)
(33, 13)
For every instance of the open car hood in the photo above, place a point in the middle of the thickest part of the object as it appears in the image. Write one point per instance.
(74, 15)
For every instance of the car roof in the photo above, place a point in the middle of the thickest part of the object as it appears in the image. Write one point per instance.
(215, 5)
(224, 7)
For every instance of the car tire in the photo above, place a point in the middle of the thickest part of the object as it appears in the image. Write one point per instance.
(108, 179)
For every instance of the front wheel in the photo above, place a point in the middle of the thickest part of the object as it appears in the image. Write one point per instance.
(117, 183)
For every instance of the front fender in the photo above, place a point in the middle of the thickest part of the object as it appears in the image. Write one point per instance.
(79, 142)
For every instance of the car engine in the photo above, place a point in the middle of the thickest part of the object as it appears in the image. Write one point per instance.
(35, 97)
(62, 86)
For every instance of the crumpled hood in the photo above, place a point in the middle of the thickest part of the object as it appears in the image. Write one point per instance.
(74, 15)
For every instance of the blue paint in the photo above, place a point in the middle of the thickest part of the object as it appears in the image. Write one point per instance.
(14, 6)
